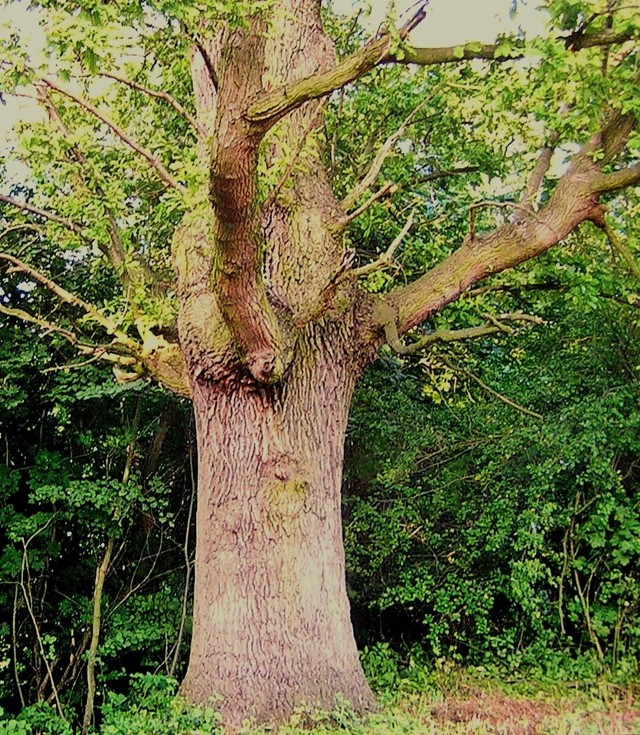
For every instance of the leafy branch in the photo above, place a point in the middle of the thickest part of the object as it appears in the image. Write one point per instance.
(152, 160)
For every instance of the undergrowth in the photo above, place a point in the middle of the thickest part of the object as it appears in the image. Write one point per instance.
(440, 699)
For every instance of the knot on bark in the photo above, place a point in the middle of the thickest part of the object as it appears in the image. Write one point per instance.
(266, 366)
(597, 215)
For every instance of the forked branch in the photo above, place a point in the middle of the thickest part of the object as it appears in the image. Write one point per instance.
(268, 110)
(381, 156)
(496, 325)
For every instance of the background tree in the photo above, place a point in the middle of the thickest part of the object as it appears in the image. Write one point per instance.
(266, 325)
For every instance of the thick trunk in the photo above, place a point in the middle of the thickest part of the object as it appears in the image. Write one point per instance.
(271, 620)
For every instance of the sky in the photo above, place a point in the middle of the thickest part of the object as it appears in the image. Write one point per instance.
(452, 22)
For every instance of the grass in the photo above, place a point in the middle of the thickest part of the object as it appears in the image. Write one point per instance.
(445, 700)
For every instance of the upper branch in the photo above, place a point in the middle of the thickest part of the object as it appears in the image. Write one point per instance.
(382, 50)
(161, 95)
(154, 161)
(51, 216)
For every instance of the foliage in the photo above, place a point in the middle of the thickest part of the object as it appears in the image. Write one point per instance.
(496, 536)
(66, 436)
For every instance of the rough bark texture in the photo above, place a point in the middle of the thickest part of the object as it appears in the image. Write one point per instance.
(271, 387)
(271, 619)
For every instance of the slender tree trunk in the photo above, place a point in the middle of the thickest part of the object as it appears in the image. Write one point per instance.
(271, 621)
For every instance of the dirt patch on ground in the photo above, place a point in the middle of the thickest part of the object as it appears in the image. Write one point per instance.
(499, 714)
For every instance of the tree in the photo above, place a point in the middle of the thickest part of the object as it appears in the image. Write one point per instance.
(264, 323)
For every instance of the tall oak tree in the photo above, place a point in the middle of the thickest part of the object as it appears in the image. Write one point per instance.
(185, 146)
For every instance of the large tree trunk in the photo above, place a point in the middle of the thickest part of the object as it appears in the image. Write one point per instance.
(271, 621)
(272, 370)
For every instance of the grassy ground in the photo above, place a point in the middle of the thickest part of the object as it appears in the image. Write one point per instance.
(463, 703)
(445, 701)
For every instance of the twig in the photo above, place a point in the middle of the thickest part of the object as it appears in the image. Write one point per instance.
(187, 580)
(73, 365)
(386, 190)
(381, 156)
(14, 646)
(105, 353)
(493, 392)
(116, 253)
(19, 266)
(52, 216)
(620, 247)
(454, 335)
(445, 174)
(387, 257)
(101, 575)
(27, 599)
(584, 601)
(23, 226)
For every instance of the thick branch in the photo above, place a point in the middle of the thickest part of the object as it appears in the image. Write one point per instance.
(534, 184)
(574, 200)
(489, 51)
(618, 179)
(124, 137)
(276, 105)
(237, 223)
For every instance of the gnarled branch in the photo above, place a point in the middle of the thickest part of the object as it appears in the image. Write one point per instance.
(574, 201)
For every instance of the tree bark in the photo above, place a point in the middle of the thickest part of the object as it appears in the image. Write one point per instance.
(271, 624)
